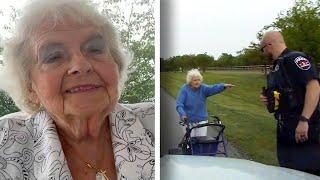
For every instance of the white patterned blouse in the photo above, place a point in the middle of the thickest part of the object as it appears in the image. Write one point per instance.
(30, 147)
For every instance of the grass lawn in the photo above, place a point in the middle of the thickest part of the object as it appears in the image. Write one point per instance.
(249, 126)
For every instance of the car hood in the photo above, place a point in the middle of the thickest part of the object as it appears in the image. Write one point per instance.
(205, 167)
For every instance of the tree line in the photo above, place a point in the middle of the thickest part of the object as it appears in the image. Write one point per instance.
(300, 26)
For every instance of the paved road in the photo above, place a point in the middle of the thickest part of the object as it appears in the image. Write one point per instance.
(172, 132)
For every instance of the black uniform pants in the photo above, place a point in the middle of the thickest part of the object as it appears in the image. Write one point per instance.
(303, 158)
(300, 156)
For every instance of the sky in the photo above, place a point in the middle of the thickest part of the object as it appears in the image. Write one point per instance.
(202, 26)
(5, 7)
(214, 26)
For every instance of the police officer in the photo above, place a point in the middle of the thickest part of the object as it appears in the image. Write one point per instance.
(292, 94)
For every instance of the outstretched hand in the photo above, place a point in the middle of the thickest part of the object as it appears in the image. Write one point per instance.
(228, 86)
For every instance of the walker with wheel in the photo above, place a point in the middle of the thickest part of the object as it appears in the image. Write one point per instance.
(202, 145)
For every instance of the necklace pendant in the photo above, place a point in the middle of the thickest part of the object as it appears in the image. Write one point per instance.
(101, 175)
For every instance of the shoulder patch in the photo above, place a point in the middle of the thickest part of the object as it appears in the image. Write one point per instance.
(302, 63)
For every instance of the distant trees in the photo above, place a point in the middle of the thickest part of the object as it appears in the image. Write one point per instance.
(250, 56)
(202, 60)
(300, 26)
(225, 60)
(185, 62)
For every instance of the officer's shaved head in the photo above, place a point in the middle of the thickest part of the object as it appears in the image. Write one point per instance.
(272, 44)
(272, 37)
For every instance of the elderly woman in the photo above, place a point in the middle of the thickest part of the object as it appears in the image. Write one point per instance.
(191, 101)
(69, 70)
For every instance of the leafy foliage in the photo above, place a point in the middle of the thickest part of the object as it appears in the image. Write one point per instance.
(6, 104)
(135, 22)
(136, 27)
(225, 60)
(300, 26)
(185, 62)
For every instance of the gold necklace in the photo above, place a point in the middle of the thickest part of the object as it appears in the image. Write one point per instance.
(101, 172)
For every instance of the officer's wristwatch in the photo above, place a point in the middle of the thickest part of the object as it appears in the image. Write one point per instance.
(303, 119)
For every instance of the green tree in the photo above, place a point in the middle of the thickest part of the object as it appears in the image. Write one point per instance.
(135, 21)
(250, 56)
(6, 104)
(225, 60)
(203, 61)
(300, 27)
(183, 63)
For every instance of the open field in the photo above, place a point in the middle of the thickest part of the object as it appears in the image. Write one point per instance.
(248, 125)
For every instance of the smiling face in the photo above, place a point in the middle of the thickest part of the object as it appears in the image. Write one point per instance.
(73, 73)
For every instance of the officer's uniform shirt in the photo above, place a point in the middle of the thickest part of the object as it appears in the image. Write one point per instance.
(302, 156)
(300, 71)
(299, 68)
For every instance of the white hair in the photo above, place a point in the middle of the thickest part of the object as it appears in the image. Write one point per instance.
(17, 50)
(193, 73)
